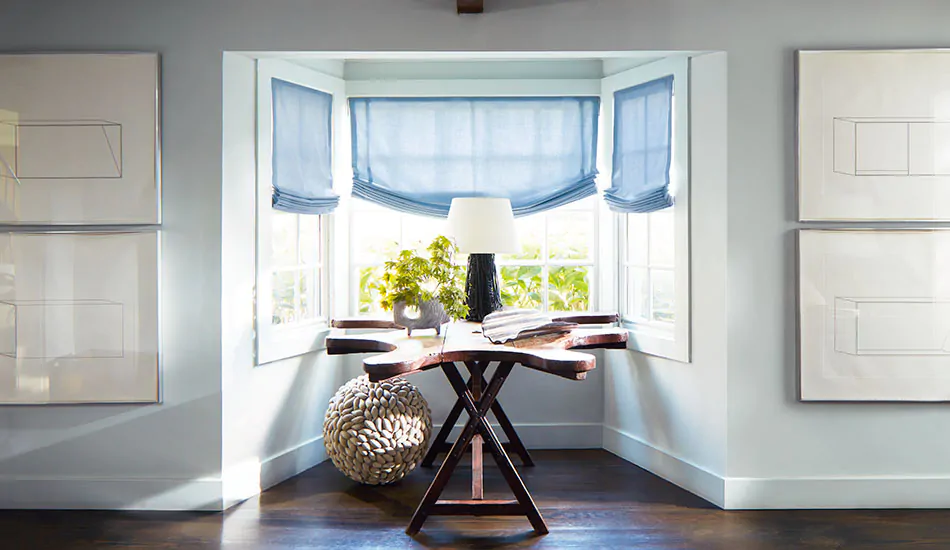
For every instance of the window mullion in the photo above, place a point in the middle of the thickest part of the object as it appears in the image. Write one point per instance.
(649, 270)
(624, 273)
(545, 288)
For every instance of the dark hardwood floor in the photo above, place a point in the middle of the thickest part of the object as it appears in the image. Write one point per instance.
(590, 499)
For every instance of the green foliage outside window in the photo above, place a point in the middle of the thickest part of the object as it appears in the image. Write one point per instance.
(522, 286)
(369, 294)
(569, 289)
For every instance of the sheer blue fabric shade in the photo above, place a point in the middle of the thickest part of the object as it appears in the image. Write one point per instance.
(643, 124)
(416, 154)
(302, 154)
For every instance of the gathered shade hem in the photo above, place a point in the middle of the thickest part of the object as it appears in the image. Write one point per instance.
(377, 195)
(652, 202)
(303, 205)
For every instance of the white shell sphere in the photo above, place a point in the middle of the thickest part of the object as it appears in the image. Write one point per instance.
(377, 432)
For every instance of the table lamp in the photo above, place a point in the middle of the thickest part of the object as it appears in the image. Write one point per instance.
(482, 227)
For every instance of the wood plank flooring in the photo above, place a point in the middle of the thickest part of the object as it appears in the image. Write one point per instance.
(590, 499)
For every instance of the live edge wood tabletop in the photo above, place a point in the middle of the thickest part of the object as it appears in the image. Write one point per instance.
(462, 343)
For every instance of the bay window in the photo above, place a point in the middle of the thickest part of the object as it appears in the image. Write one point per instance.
(536, 141)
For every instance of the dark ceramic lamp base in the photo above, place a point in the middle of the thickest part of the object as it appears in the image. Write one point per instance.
(481, 287)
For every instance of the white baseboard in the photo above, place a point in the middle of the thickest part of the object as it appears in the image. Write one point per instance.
(291, 462)
(837, 493)
(248, 479)
(208, 494)
(576, 435)
(737, 493)
(677, 471)
(73, 493)
(202, 494)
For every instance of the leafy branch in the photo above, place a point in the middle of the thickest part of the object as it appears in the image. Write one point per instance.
(413, 279)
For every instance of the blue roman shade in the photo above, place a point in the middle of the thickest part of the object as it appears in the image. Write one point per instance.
(416, 154)
(302, 155)
(643, 125)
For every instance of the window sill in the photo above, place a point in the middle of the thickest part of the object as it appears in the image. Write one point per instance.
(658, 341)
(276, 344)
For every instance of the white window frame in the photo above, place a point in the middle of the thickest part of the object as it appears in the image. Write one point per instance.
(276, 342)
(669, 340)
(488, 88)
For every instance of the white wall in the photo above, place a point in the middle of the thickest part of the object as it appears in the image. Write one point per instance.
(770, 436)
(153, 456)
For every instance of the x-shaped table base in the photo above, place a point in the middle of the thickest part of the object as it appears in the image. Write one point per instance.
(441, 442)
(477, 402)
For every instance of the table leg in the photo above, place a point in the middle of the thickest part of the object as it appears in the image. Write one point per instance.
(477, 424)
(478, 490)
(514, 442)
(441, 445)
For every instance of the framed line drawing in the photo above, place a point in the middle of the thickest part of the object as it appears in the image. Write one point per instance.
(874, 315)
(874, 135)
(79, 318)
(79, 139)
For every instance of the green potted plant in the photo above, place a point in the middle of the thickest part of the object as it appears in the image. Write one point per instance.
(424, 292)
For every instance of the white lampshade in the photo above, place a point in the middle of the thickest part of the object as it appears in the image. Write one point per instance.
(483, 226)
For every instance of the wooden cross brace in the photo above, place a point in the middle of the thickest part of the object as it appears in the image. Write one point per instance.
(477, 408)
(441, 442)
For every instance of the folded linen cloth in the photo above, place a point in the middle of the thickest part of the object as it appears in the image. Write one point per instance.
(514, 324)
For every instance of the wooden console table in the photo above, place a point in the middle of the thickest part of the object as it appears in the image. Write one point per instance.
(463, 343)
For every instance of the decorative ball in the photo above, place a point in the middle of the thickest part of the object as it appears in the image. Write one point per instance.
(377, 432)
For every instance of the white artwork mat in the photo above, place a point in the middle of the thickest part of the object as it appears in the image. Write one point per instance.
(79, 318)
(874, 317)
(874, 135)
(79, 139)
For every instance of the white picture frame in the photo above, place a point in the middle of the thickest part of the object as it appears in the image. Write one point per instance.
(79, 317)
(874, 135)
(874, 314)
(80, 139)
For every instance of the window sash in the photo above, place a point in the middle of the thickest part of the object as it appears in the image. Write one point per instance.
(276, 341)
(649, 336)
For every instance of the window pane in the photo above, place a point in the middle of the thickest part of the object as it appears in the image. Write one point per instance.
(317, 293)
(663, 294)
(638, 293)
(368, 301)
(305, 293)
(637, 239)
(662, 240)
(310, 240)
(418, 231)
(375, 236)
(569, 288)
(521, 286)
(284, 238)
(282, 292)
(570, 235)
(530, 230)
